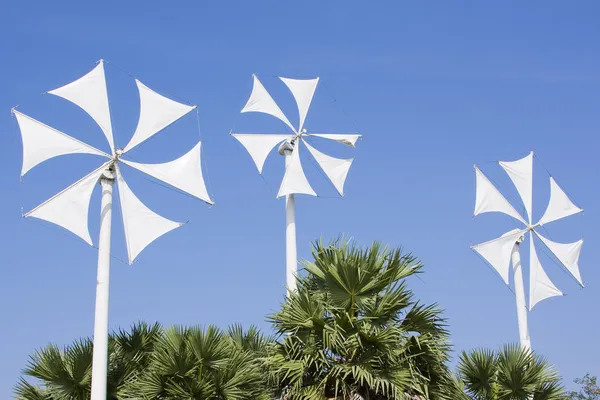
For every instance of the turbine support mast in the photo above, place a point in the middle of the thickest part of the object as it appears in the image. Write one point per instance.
(100, 354)
(503, 251)
(291, 256)
(70, 207)
(520, 295)
(294, 181)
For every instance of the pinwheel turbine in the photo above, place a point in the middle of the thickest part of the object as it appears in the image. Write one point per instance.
(69, 208)
(294, 180)
(499, 252)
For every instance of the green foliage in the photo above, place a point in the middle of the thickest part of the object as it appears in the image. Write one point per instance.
(65, 374)
(353, 328)
(196, 363)
(510, 374)
(149, 363)
(589, 390)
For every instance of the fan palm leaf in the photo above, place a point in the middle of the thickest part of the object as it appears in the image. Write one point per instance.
(513, 373)
(353, 328)
(65, 373)
(205, 363)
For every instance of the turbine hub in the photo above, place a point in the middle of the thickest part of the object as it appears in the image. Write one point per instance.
(287, 146)
(108, 174)
(520, 239)
(531, 228)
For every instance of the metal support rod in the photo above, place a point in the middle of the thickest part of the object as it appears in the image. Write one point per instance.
(291, 256)
(520, 296)
(100, 355)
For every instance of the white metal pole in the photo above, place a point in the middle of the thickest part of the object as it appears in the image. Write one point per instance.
(291, 257)
(520, 296)
(100, 355)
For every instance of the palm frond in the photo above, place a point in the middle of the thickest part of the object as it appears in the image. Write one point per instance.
(511, 373)
(353, 328)
(26, 391)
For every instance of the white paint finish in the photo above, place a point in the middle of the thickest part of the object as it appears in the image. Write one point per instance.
(520, 298)
(100, 355)
(291, 255)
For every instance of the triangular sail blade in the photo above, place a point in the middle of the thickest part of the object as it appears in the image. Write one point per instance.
(70, 207)
(294, 180)
(489, 199)
(41, 142)
(184, 173)
(497, 252)
(89, 93)
(567, 254)
(336, 169)
(348, 140)
(303, 91)
(540, 286)
(156, 113)
(142, 225)
(521, 174)
(261, 101)
(559, 205)
(259, 145)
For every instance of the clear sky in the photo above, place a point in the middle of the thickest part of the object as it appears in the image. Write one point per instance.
(434, 89)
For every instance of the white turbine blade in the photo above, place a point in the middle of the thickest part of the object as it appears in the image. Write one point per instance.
(294, 180)
(348, 140)
(70, 207)
(303, 91)
(142, 225)
(559, 205)
(89, 93)
(336, 169)
(567, 254)
(259, 145)
(540, 286)
(156, 113)
(520, 173)
(489, 199)
(41, 142)
(261, 101)
(184, 173)
(497, 252)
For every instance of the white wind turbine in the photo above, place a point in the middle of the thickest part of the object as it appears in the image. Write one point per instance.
(499, 252)
(294, 181)
(69, 208)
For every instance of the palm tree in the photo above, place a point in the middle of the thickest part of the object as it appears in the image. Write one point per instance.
(65, 373)
(196, 363)
(513, 373)
(353, 330)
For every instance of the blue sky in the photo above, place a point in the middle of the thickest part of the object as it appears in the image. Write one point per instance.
(434, 89)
